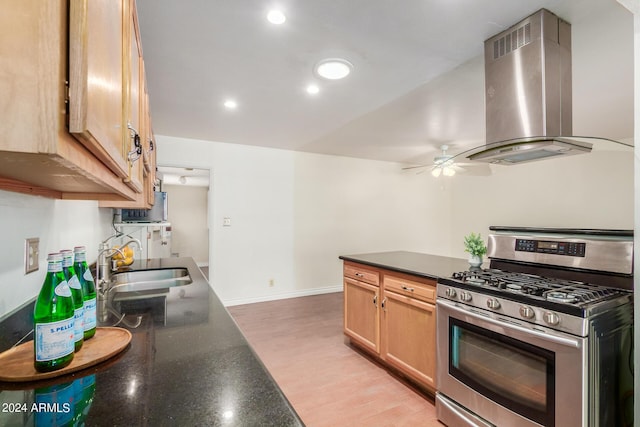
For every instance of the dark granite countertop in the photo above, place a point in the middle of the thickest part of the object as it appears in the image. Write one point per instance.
(187, 364)
(418, 264)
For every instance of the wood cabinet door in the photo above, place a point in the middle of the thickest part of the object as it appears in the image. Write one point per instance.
(361, 313)
(134, 91)
(409, 336)
(96, 80)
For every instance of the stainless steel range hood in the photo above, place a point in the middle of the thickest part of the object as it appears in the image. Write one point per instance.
(528, 93)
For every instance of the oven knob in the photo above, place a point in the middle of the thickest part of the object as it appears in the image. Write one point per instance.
(493, 303)
(465, 296)
(551, 318)
(527, 312)
(450, 292)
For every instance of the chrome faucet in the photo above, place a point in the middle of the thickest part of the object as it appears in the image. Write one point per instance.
(105, 262)
(104, 266)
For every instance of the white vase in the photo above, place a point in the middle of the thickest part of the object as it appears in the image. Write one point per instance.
(475, 260)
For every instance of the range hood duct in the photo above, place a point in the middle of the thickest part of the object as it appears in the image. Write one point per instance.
(528, 92)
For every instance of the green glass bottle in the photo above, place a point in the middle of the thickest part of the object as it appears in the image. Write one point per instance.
(53, 320)
(55, 405)
(76, 294)
(88, 291)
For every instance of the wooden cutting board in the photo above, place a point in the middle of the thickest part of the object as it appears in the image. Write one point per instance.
(16, 364)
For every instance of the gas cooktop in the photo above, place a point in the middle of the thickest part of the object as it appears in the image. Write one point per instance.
(567, 296)
(550, 289)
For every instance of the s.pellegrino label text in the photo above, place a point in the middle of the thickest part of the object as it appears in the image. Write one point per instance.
(53, 340)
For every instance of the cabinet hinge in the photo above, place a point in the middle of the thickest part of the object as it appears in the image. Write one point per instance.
(66, 103)
(66, 92)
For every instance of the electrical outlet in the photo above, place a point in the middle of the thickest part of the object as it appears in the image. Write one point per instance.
(31, 255)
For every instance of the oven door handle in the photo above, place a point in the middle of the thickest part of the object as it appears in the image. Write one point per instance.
(567, 342)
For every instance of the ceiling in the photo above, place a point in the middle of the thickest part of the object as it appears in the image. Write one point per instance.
(399, 104)
(183, 176)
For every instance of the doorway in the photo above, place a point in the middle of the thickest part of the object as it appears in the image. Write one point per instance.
(188, 199)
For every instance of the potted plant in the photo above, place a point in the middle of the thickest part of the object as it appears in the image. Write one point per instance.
(474, 244)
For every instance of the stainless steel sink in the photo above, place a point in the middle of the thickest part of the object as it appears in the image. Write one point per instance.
(147, 283)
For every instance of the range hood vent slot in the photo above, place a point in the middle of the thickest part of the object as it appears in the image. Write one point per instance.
(513, 40)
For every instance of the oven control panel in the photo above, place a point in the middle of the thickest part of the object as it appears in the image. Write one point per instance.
(551, 247)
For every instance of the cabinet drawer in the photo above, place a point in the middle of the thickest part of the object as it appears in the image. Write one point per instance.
(356, 271)
(425, 291)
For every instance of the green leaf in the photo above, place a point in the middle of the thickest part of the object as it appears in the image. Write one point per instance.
(474, 244)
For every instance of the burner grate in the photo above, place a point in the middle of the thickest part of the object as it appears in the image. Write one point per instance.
(551, 289)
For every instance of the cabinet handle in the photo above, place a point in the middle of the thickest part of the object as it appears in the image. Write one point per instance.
(358, 274)
(134, 154)
(406, 288)
(383, 302)
(375, 300)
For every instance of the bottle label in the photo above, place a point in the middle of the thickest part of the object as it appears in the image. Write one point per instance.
(53, 406)
(74, 282)
(87, 275)
(90, 314)
(78, 322)
(54, 266)
(80, 256)
(53, 340)
(63, 290)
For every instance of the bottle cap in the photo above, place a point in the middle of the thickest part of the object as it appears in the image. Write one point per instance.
(56, 256)
(79, 249)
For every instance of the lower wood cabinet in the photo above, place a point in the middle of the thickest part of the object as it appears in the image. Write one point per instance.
(409, 336)
(361, 306)
(392, 316)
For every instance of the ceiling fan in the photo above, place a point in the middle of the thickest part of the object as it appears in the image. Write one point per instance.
(448, 165)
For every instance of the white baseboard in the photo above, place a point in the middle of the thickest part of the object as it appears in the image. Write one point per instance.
(285, 295)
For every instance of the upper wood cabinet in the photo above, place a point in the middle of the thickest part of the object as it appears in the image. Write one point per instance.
(133, 90)
(138, 141)
(96, 79)
(63, 99)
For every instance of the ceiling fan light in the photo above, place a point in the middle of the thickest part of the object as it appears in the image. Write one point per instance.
(448, 171)
(436, 172)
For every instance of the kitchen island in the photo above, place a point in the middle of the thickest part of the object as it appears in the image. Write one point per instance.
(389, 309)
(414, 263)
(187, 364)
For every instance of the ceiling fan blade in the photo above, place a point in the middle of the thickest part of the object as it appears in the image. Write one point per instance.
(406, 168)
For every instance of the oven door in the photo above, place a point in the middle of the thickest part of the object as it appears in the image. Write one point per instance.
(507, 372)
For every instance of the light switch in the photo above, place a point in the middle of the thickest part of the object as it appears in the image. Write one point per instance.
(226, 222)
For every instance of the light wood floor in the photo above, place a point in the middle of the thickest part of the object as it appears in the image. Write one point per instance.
(300, 341)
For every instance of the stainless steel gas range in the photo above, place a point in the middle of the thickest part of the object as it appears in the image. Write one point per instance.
(543, 337)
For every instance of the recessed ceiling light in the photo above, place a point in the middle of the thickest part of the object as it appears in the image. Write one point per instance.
(230, 104)
(334, 68)
(313, 89)
(276, 17)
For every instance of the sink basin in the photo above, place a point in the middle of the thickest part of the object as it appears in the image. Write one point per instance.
(147, 283)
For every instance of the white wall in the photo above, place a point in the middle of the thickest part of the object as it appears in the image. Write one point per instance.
(585, 191)
(188, 209)
(60, 224)
(293, 214)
